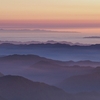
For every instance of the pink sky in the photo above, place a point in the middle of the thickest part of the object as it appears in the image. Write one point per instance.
(51, 14)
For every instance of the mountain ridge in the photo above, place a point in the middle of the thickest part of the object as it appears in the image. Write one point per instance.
(20, 88)
(81, 83)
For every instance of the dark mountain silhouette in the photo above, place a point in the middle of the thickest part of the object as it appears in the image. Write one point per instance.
(34, 59)
(88, 96)
(19, 60)
(19, 57)
(1, 75)
(2, 98)
(97, 69)
(29, 58)
(47, 65)
(83, 63)
(82, 83)
(19, 88)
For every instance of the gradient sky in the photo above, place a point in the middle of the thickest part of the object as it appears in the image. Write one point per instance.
(50, 14)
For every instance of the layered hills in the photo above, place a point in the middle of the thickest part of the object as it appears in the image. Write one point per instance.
(42, 69)
(57, 51)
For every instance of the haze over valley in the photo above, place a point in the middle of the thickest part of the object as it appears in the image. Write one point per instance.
(81, 78)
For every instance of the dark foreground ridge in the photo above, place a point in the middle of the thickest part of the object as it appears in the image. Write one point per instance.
(1, 74)
(19, 88)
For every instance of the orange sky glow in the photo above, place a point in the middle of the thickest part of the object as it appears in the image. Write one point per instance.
(53, 14)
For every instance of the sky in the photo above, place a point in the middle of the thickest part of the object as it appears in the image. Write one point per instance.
(50, 14)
